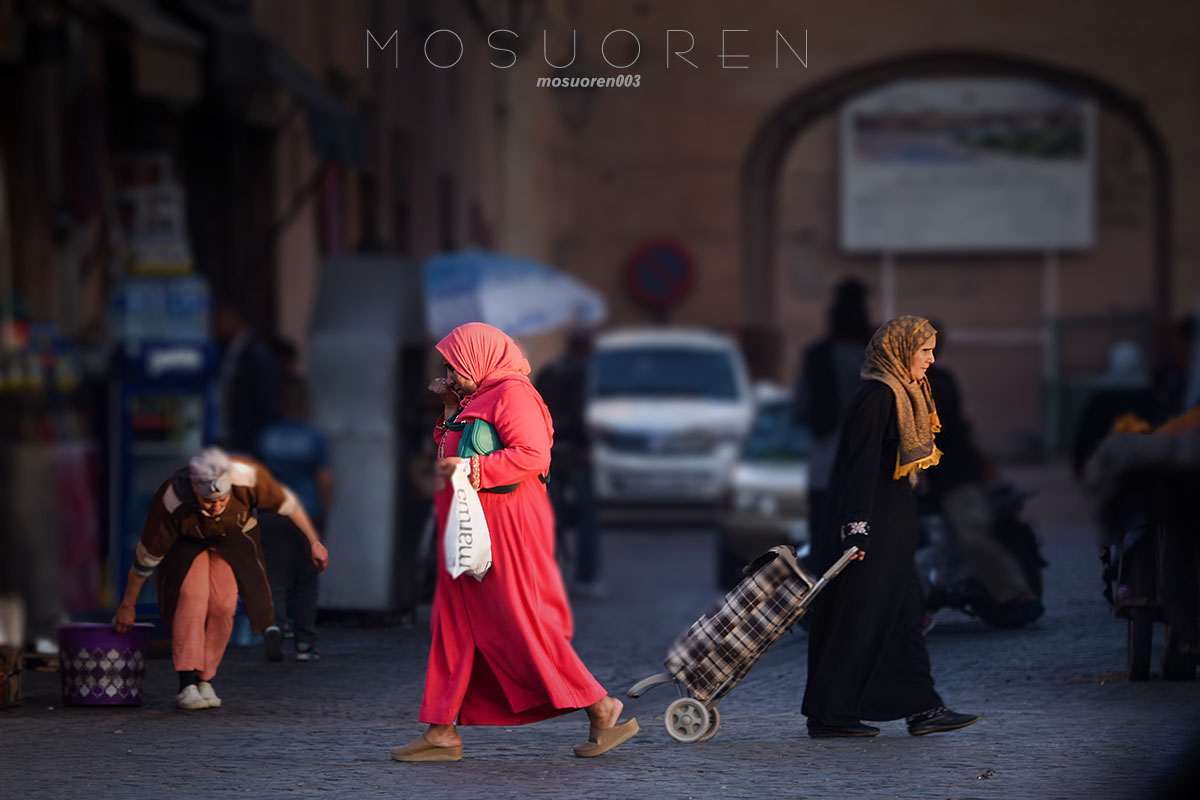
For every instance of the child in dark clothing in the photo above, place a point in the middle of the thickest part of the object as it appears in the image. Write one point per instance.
(299, 454)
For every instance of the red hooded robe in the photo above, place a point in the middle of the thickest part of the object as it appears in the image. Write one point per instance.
(501, 651)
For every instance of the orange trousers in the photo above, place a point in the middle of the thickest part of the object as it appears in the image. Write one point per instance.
(204, 615)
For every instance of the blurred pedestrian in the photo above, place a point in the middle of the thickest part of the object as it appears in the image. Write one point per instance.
(866, 656)
(30, 579)
(297, 454)
(563, 386)
(1170, 374)
(248, 378)
(1191, 393)
(287, 358)
(958, 487)
(826, 383)
(501, 652)
(1121, 401)
(202, 535)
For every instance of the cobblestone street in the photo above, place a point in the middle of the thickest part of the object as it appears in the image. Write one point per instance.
(1060, 718)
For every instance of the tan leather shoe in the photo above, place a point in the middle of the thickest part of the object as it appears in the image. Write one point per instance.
(421, 749)
(600, 742)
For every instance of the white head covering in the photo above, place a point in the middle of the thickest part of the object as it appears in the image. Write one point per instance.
(209, 471)
(1126, 366)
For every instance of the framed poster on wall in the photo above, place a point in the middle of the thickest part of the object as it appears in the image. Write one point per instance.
(967, 165)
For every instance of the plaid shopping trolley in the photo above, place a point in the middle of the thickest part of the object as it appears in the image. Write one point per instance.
(709, 659)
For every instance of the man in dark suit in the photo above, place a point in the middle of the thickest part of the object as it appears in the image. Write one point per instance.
(563, 386)
(826, 382)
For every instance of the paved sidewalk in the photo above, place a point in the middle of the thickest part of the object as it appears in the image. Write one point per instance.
(1060, 721)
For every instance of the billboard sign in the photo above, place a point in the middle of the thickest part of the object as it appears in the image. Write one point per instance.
(962, 165)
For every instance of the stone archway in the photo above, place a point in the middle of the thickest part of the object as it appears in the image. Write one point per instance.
(762, 165)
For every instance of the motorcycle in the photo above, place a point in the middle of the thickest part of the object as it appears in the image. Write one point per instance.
(947, 579)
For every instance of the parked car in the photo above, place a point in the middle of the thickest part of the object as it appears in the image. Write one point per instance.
(668, 409)
(767, 500)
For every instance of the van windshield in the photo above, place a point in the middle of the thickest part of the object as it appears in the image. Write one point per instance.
(776, 436)
(664, 372)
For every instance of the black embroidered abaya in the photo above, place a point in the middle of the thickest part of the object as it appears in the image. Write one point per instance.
(867, 658)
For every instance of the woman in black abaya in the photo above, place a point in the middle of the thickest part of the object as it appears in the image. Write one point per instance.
(866, 654)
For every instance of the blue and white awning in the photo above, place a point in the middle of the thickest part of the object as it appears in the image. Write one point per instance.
(516, 295)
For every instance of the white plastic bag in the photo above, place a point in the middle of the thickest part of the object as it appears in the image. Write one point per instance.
(467, 543)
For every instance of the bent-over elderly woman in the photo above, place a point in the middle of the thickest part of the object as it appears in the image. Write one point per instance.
(201, 534)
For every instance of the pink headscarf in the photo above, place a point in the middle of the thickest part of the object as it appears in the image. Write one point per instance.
(484, 354)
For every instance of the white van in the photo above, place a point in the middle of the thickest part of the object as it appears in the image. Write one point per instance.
(668, 409)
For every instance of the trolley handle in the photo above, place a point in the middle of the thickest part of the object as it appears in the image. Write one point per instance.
(830, 574)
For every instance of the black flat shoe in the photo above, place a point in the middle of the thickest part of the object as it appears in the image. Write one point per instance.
(945, 721)
(840, 731)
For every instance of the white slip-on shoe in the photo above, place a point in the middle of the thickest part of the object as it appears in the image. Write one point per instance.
(273, 643)
(210, 696)
(190, 700)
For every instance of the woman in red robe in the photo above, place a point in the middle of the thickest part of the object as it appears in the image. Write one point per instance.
(501, 651)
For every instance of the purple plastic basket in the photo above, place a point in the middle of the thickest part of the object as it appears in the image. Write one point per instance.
(101, 667)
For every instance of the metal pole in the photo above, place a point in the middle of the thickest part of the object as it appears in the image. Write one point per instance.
(831, 573)
(1051, 367)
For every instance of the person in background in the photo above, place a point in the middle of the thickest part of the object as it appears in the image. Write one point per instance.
(826, 383)
(563, 386)
(1170, 374)
(1191, 392)
(202, 536)
(501, 650)
(867, 658)
(287, 358)
(30, 570)
(957, 487)
(1122, 401)
(248, 378)
(297, 454)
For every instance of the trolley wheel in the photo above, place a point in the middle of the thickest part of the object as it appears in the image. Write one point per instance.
(1141, 637)
(714, 724)
(686, 720)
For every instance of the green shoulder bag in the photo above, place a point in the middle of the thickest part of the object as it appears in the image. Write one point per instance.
(479, 437)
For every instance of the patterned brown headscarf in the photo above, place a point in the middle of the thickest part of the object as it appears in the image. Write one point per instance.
(888, 357)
